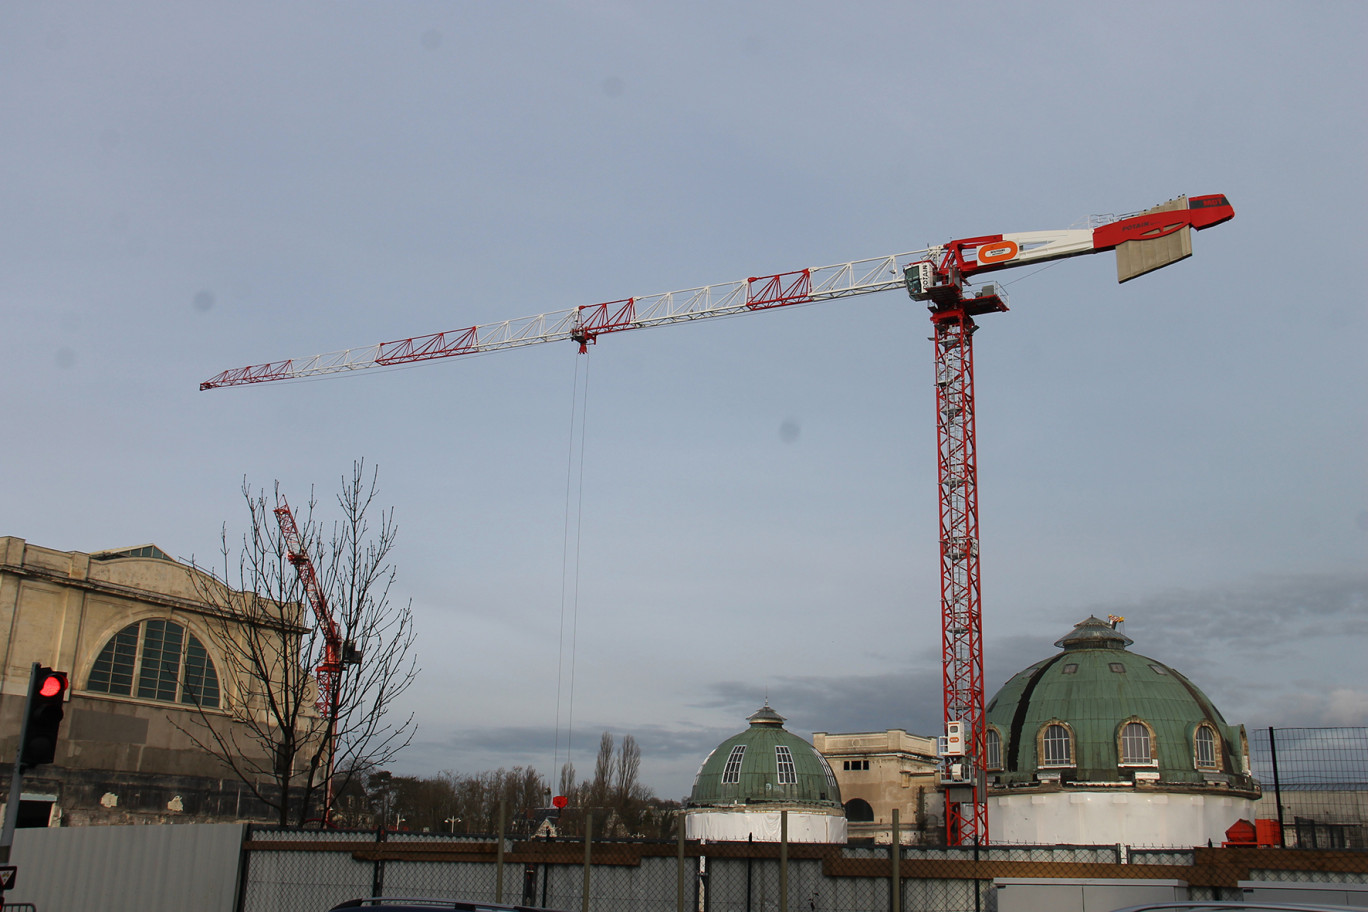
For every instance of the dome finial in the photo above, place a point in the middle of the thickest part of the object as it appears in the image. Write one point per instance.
(765, 715)
(1094, 633)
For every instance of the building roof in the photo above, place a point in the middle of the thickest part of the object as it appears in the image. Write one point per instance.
(149, 550)
(765, 764)
(1094, 687)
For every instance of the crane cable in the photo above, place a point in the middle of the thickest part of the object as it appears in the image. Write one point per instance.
(574, 501)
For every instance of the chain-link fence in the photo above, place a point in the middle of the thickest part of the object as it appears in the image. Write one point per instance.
(1315, 784)
(292, 870)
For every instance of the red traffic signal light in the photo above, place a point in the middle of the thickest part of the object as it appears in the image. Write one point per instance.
(44, 717)
(53, 684)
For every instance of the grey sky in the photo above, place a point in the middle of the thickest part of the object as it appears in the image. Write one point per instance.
(190, 187)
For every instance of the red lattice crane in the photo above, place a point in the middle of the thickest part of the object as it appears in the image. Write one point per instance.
(337, 653)
(1143, 241)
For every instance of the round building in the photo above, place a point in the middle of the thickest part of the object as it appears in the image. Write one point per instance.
(749, 779)
(1098, 744)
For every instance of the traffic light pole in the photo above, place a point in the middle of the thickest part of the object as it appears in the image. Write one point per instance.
(17, 776)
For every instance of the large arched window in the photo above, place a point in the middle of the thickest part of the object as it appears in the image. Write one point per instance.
(731, 773)
(857, 810)
(156, 660)
(994, 759)
(1204, 743)
(1056, 745)
(783, 761)
(1136, 739)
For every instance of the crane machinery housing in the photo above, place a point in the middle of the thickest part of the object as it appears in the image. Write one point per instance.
(1143, 242)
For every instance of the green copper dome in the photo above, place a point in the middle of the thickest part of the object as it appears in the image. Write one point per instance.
(765, 764)
(1097, 712)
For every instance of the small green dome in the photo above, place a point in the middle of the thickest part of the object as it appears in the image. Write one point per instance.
(765, 764)
(1086, 698)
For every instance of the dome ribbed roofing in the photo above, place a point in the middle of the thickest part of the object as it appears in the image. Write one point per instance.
(1095, 686)
(765, 764)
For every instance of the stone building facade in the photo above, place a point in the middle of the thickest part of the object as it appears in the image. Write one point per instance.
(882, 771)
(144, 651)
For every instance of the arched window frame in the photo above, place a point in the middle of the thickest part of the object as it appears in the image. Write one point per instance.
(731, 773)
(1148, 755)
(145, 675)
(1048, 736)
(992, 749)
(1208, 760)
(858, 810)
(786, 772)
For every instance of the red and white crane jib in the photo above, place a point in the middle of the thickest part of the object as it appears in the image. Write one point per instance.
(585, 323)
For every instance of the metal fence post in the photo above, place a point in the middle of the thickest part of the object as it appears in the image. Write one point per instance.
(895, 855)
(783, 861)
(750, 864)
(978, 884)
(588, 836)
(679, 886)
(378, 871)
(1277, 784)
(499, 853)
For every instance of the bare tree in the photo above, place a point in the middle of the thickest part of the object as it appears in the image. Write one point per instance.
(627, 770)
(279, 737)
(603, 772)
(567, 779)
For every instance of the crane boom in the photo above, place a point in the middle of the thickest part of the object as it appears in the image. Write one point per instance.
(585, 323)
(1143, 241)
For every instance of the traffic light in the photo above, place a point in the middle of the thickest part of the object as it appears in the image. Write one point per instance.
(44, 717)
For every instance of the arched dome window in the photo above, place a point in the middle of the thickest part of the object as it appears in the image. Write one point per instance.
(156, 659)
(1137, 744)
(994, 759)
(731, 773)
(1204, 745)
(783, 761)
(1056, 745)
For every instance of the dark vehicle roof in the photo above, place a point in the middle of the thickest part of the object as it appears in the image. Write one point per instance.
(1234, 906)
(406, 904)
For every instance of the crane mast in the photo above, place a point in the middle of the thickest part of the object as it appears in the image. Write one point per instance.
(961, 615)
(1143, 242)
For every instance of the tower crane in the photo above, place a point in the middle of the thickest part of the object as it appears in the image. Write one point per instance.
(938, 275)
(337, 653)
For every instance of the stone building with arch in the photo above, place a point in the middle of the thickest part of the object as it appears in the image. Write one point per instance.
(144, 653)
(883, 772)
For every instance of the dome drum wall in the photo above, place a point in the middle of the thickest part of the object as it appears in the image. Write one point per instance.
(1095, 817)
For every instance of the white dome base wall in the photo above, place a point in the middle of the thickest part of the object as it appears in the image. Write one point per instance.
(1104, 817)
(763, 826)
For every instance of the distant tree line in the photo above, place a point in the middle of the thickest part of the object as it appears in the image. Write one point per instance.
(452, 802)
